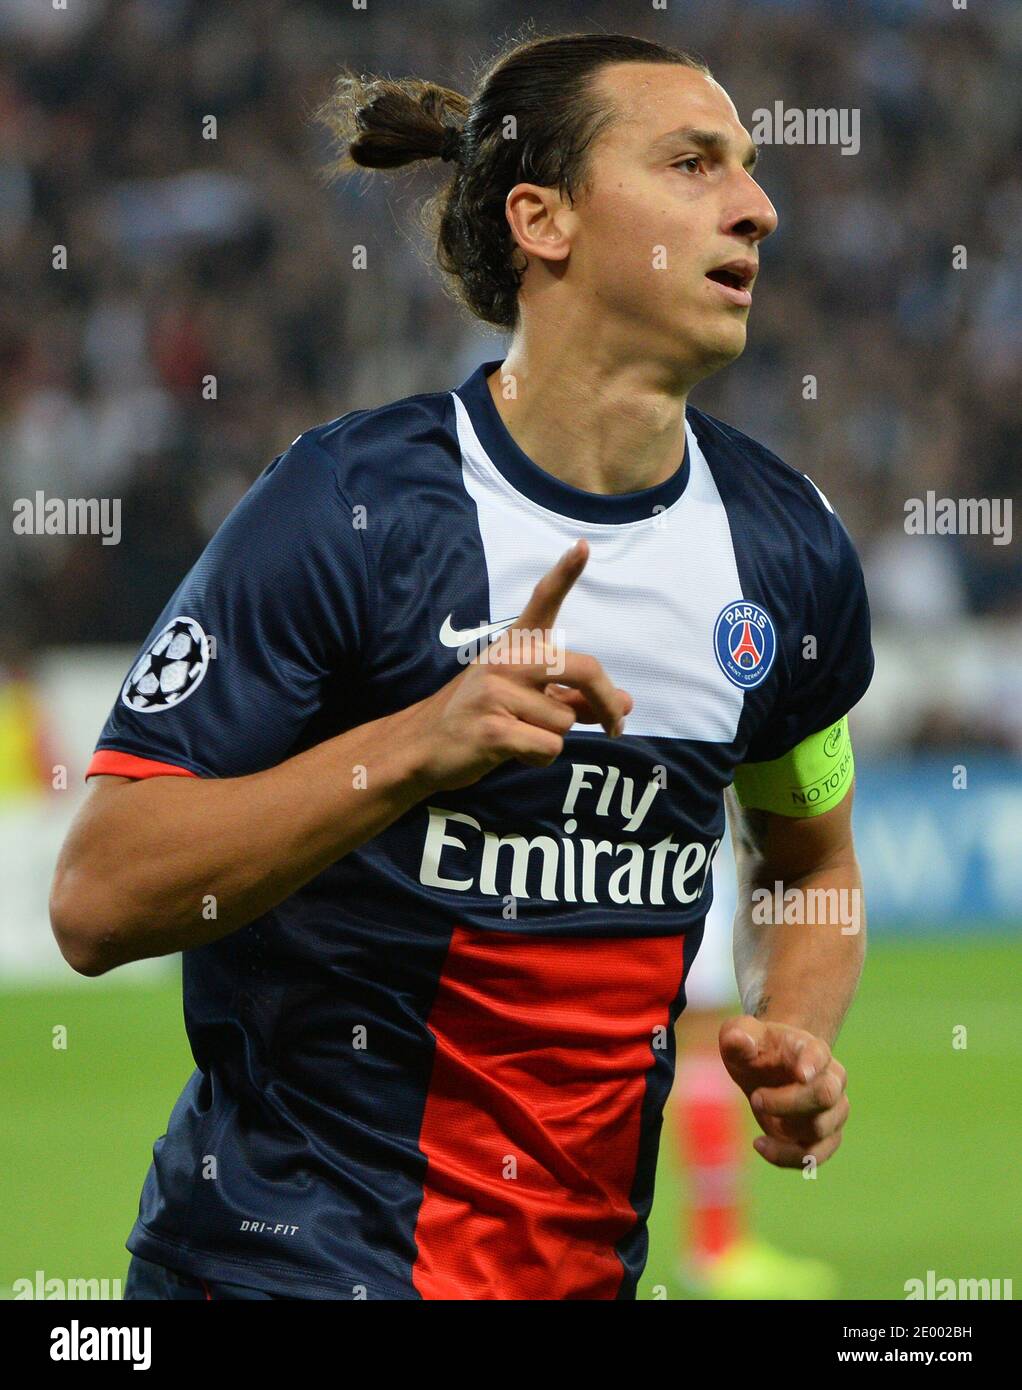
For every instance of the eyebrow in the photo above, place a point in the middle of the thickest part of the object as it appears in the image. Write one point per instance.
(713, 142)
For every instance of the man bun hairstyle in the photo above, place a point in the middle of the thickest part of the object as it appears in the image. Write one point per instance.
(533, 118)
(385, 123)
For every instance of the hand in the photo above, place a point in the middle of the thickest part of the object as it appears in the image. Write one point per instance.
(508, 705)
(795, 1087)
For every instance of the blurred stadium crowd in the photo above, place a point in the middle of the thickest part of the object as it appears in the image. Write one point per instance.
(189, 256)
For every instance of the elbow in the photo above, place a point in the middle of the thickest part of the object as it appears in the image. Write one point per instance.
(81, 928)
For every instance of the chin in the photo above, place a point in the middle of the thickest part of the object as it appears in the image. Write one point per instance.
(722, 348)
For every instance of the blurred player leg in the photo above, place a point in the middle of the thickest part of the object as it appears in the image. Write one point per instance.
(719, 1258)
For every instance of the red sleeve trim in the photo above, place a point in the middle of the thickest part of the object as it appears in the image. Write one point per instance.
(109, 761)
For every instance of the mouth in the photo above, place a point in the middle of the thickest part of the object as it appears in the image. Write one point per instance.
(734, 280)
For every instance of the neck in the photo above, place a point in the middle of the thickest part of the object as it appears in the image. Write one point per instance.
(609, 424)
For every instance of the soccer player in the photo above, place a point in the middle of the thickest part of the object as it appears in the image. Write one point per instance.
(430, 811)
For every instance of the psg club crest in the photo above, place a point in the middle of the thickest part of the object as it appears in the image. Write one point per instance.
(169, 671)
(745, 642)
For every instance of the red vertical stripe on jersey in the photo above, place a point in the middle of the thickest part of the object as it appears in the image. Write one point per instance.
(532, 1121)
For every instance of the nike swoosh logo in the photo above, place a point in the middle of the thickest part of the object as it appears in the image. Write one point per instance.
(451, 636)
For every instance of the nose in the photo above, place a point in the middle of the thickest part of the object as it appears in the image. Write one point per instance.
(752, 214)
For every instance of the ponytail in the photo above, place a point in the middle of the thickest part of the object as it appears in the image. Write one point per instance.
(385, 123)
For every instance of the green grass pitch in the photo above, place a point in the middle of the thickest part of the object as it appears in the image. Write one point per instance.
(927, 1177)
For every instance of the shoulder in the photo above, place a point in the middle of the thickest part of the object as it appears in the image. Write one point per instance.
(767, 498)
(371, 454)
(315, 499)
(756, 473)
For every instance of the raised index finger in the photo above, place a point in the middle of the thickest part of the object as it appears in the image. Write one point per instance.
(545, 603)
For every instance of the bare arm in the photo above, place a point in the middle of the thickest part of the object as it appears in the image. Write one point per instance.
(797, 976)
(802, 972)
(143, 858)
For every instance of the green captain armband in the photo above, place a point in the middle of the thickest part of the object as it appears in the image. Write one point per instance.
(809, 780)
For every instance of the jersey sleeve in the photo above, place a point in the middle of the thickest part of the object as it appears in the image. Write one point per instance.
(238, 661)
(831, 673)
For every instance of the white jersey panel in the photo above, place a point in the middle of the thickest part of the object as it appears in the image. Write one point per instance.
(711, 981)
(647, 603)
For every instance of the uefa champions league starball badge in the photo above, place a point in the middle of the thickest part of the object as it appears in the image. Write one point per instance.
(170, 669)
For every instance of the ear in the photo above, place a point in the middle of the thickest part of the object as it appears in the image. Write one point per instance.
(541, 222)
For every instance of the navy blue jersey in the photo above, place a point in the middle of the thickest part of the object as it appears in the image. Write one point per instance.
(438, 1069)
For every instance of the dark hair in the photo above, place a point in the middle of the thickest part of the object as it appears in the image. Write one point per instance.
(533, 118)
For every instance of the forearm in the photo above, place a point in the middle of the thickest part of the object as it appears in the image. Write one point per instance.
(799, 949)
(155, 869)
